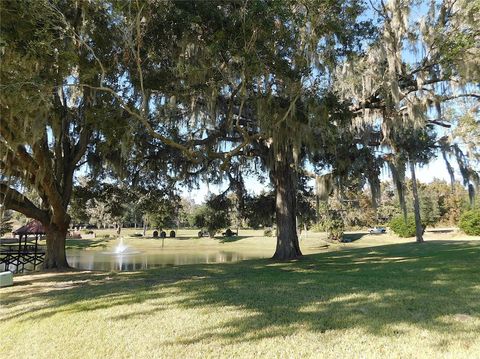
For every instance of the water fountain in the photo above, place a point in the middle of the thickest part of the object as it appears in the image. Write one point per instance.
(120, 248)
(120, 251)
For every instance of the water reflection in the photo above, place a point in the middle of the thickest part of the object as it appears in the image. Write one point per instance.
(92, 260)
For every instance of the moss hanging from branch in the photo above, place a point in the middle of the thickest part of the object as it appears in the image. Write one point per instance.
(324, 186)
(444, 148)
(397, 169)
(471, 178)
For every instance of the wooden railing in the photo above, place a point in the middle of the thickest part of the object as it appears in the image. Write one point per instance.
(21, 254)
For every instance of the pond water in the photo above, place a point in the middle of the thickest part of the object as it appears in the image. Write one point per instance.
(143, 259)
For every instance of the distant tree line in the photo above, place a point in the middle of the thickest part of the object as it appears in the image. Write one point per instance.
(106, 205)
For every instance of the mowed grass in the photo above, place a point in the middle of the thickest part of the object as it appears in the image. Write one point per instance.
(400, 300)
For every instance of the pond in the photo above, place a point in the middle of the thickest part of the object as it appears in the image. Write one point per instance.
(103, 261)
(125, 257)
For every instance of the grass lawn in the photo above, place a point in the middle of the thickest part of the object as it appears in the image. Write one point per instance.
(369, 298)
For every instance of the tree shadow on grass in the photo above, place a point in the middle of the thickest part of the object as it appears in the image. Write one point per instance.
(439, 231)
(86, 243)
(221, 239)
(352, 237)
(369, 289)
(185, 237)
(231, 238)
(374, 289)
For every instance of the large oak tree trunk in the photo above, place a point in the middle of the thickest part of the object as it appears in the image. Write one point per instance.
(416, 205)
(56, 257)
(288, 246)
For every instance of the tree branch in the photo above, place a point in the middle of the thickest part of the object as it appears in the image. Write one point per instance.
(12, 199)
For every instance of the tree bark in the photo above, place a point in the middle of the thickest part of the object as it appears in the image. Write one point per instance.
(416, 205)
(56, 257)
(288, 246)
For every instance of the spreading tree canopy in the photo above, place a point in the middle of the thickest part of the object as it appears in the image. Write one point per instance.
(46, 125)
(225, 80)
(201, 87)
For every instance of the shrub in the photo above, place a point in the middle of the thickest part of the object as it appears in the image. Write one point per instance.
(229, 233)
(318, 227)
(268, 232)
(106, 236)
(402, 229)
(137, 235)
(470, 222)
(214, 214)
(334, 225)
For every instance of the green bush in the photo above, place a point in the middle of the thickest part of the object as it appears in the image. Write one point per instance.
(402, 229)
(334, 225)
(470, 222)
(318, 227)
(214, 215)
(268, 232)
